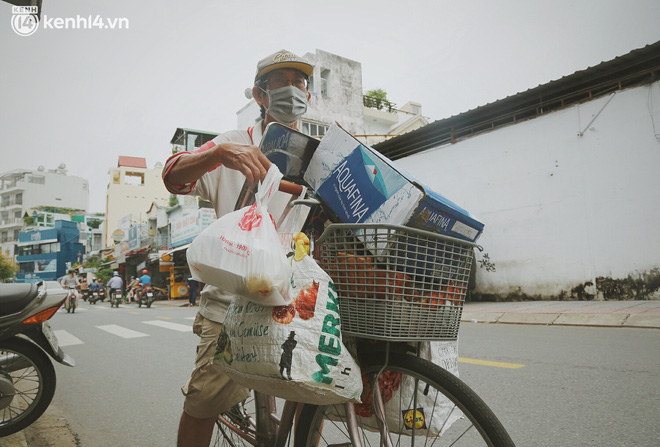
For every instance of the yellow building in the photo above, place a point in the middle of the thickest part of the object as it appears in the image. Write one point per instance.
(132, 190)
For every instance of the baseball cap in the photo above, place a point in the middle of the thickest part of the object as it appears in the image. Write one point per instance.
(282, 59)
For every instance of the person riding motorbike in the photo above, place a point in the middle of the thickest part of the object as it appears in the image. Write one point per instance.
(115, 284)
(145, 283)
(72, 283)
(132, 288)
(101, 289)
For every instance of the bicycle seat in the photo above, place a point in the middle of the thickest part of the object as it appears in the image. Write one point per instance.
(15, 297)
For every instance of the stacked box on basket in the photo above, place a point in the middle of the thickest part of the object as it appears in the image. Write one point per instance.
(362, 186)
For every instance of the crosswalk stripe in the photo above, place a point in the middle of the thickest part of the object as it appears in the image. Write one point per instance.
(65, 338)
(169, 325)
(121, 331)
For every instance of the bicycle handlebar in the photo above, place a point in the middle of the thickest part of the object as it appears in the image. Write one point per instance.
(290, 187)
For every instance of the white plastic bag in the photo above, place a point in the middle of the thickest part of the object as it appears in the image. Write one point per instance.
(294, 352)
(437, 413)
(240, 253)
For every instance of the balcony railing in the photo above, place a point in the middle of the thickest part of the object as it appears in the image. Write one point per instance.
(6, 203)
(379, 103)
(12, 222)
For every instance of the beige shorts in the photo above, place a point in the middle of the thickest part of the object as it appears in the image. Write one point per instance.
(209, 391)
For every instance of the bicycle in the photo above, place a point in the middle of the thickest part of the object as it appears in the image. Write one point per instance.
(396, 286)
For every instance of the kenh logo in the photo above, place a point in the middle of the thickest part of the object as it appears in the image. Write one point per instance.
(25, 20)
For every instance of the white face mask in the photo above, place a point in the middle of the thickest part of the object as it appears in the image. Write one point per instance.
(287, 104)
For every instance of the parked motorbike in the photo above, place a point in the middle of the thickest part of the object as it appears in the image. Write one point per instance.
(160, 293)
(71, 301)
(115, 297)
(146, 296)
(27, 376)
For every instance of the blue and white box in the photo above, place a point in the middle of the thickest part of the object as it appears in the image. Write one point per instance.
(362, 186)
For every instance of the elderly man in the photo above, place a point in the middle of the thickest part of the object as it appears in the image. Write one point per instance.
(217, 172)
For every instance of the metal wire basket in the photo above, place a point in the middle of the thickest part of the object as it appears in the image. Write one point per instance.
(396, 283)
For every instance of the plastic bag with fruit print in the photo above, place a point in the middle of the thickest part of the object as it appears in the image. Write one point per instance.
(240, 252)
(294, 352)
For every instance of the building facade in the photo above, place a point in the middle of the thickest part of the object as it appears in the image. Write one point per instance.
(23, 190)
(132, 189)
(45, 254)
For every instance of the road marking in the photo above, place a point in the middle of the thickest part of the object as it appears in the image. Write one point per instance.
(134, 313)
(168, 325)
(190, 318)
(165, 318)
(121, 331)
(489, 363)
(65, 338)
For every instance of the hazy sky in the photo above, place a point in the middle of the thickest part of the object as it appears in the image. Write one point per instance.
(85, 96)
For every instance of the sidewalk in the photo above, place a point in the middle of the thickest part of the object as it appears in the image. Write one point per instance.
(637, 314)
(51, 429)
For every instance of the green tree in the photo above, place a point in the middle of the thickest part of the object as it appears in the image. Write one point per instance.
(379, 98)
(378, 93)
(174, 200)
(94, 223)
(7, 268)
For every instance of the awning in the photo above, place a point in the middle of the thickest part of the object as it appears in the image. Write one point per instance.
(183, 247)
(137, 251)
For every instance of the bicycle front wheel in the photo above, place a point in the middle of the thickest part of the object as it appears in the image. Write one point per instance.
(424, 405)
(254, 422)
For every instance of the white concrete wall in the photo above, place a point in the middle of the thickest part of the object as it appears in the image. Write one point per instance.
(60, 190)
(344, 103)
(560, 209)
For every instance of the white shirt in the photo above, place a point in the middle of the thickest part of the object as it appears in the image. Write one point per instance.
(221, 186)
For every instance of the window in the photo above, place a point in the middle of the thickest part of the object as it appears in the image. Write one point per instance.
(134, 178)
(314, 129)
(19, 198)
(325, 83)
(26, 267)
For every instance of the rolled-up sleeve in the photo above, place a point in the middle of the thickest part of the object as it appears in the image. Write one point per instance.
(188, 187)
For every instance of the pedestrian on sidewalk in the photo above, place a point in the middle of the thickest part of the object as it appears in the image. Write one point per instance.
(192, 291)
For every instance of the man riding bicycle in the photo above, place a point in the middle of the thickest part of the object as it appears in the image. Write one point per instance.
(216, 172)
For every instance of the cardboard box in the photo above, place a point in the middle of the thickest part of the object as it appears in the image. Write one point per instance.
(289, 150)
(362, 186)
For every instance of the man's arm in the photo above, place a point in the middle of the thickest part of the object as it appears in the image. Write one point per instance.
(191, 166)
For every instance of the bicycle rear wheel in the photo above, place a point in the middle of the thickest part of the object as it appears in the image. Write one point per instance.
(438, 409)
